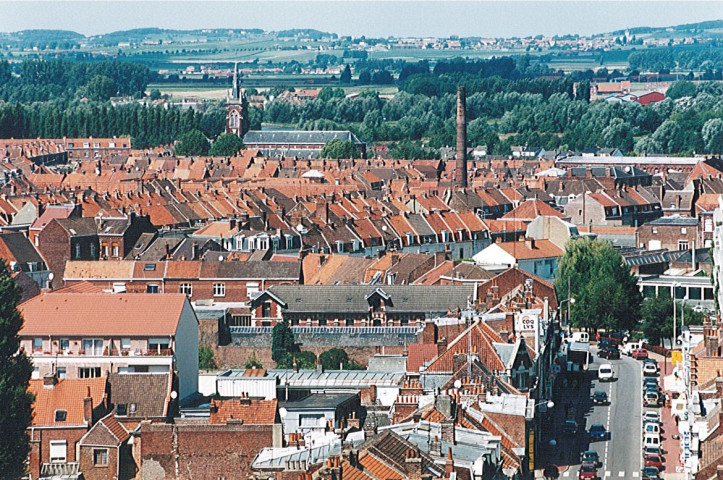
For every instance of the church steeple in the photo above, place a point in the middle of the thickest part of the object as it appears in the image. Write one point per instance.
(236, 107)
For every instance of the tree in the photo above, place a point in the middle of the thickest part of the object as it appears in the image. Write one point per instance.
(657, 318)
(338, 359)
(713, 135)
(339, 149)
(155, 94)
(192, 142)
(15, 370)
(206, 358)
(101, 87)
(304, 360)
(253, 361)
(345, 77)
(683, 88)
(282, 341)
(605, 291)
(226, 145)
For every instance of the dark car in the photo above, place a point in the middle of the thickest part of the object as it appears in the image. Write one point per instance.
(598, 432)
(650, 473)
(602, 345)
(587, 471)
(650, 381)
(600, 397)
(653, 451)
(590, 456)
(569, 427)
(612, 353)
(653, 461)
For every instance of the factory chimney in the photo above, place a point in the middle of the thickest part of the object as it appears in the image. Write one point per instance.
(461, 170)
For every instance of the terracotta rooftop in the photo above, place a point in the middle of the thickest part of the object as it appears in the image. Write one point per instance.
(102, 314)
(251, 412)
(68, 395)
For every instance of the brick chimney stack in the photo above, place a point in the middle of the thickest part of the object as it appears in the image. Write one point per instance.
(461, 166)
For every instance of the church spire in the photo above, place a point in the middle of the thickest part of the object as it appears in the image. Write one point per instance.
(235, 88)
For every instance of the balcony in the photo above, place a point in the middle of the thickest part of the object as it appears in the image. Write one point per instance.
(137, 352)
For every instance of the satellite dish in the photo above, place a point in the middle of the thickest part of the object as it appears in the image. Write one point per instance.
(384, 228)
(283, 412)
(220, 258)
(174, 395)
(457, 384)
(51, 276)
(553, 442)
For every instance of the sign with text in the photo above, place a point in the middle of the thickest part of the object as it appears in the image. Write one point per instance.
(527, 320)
(676, 356)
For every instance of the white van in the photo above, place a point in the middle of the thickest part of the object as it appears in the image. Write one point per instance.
(651, 441)
(629, 347)
(605, 373)
(583, 337)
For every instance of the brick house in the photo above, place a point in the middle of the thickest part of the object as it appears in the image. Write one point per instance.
(104, 451)
(92, 333)
(673, 233)
(221, 447)
(63, 411)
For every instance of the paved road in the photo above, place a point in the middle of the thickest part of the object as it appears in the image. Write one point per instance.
(621, 454)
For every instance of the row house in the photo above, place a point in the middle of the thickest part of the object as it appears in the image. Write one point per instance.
(203, 282)
(671, 233)
(630, 207)
(358, 305)
(89, 334)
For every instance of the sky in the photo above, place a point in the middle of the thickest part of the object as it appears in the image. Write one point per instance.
(440, 18)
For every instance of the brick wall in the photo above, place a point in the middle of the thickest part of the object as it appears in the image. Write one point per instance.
(40, 448)
(201, 451)
(99, 472)
(54, 245)
(667, 235)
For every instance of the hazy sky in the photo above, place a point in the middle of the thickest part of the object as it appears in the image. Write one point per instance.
(371, 18)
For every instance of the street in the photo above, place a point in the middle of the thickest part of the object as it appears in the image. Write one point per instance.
(621, 454)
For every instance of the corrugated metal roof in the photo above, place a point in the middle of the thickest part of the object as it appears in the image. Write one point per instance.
(337, 378)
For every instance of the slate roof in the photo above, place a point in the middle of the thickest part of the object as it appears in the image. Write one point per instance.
(304, 137)
(351, 298)
(20, 248)
(251, 270)
(150, 393)
(675, 220)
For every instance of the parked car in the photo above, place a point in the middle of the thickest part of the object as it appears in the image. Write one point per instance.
(651, 429)
(587, 471)
(590, 456)
(651, 399)
(653, 461)
(569, 427)
(650, 382)
(651, 441)
(598, 432)
(639, 354)
(650, 473)
(650, 370)
(605, 372)
(651, 450)
(630, 347)
(651, 416)
(599, 397)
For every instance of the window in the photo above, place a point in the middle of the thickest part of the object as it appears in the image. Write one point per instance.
(93, 346)
(125, 343)
(104, 249)
(132, 408)
(186, 289)
(58, 451)
(100, 457)
(121, 409)
(266, 309)
(64, 344)
(92, 250)
(708, 225)
(114, 249)
(682, 244)
(77, 251)
(683, 231)
(219, 289)
(152, 288)
(158, 344)
(655, 229)
(240, 320)
(62, 372)
(37, 344)
(252, 288)
(61, 415)
(149, 267)
(88, 372)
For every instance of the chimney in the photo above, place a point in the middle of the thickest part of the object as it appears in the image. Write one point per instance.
(413, 463)
(194, 250)
(88, 408)
(245, 400)
(461, 165)
(448, 435)
(295, 366)
(530, 243)
(435, 448)
(50, 380)
(373, 393)
(443, 403)
(449, 464)
(441, 345)
(505, 336)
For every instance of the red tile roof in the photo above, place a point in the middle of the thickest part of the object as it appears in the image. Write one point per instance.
(102, 314)
(419, 353)
(251, 412)
(68, 395)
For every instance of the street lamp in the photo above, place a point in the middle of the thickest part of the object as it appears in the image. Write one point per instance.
(675, 336)
(571, 301)
(548, 403)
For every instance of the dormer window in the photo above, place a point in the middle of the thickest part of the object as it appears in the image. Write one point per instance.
(121, 409)
(61, 415)
(132, 408)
